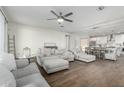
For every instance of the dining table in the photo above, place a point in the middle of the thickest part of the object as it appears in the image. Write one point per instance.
(99, 52)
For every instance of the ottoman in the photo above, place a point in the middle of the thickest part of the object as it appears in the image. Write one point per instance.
(54, 65)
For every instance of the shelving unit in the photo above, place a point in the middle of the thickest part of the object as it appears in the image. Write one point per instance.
(11, 45)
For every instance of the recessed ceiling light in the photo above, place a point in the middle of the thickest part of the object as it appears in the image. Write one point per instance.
(100, 8)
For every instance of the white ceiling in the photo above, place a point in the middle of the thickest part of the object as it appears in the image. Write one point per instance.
(111, 19)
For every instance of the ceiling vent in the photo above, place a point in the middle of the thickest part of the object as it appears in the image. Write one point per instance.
(95, 27)
(61, 26)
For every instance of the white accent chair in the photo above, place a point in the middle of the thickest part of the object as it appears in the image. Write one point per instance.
(111, 53)
(119, 51)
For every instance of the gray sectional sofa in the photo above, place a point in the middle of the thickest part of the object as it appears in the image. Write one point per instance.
(22, 74)
(29, 76)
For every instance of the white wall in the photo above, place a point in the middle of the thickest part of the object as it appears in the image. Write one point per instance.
(72, 42)
(76, 41)
(27, 36)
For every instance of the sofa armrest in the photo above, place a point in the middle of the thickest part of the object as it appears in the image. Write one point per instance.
(20, 63)
(72, 55)
(30, 85)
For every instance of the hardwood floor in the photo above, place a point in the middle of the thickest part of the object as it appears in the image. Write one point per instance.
(96, 74)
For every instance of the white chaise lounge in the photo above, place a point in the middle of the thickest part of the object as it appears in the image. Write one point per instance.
(83, 56)
(53, 63)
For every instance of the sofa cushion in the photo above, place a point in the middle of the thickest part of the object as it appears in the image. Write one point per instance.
(28, 70)
(6, 78)
(60, 52)
(31, 85)
(66, 55)
(36, 79)
(50, 57)
(47, 52)
(8, 61)
(53, 63)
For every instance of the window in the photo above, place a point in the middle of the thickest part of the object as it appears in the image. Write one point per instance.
(84, 43)
(2, 33)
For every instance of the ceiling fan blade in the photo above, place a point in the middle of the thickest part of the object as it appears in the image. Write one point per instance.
(68, 20)
(54, 13)
(68, 14)
(52, 19)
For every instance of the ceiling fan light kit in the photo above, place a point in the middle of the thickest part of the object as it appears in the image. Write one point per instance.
(60, 17)
(60, 20)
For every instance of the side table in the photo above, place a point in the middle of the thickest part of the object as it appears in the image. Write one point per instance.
(32, 59)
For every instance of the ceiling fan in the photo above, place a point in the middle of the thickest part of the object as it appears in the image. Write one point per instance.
(60, 17)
